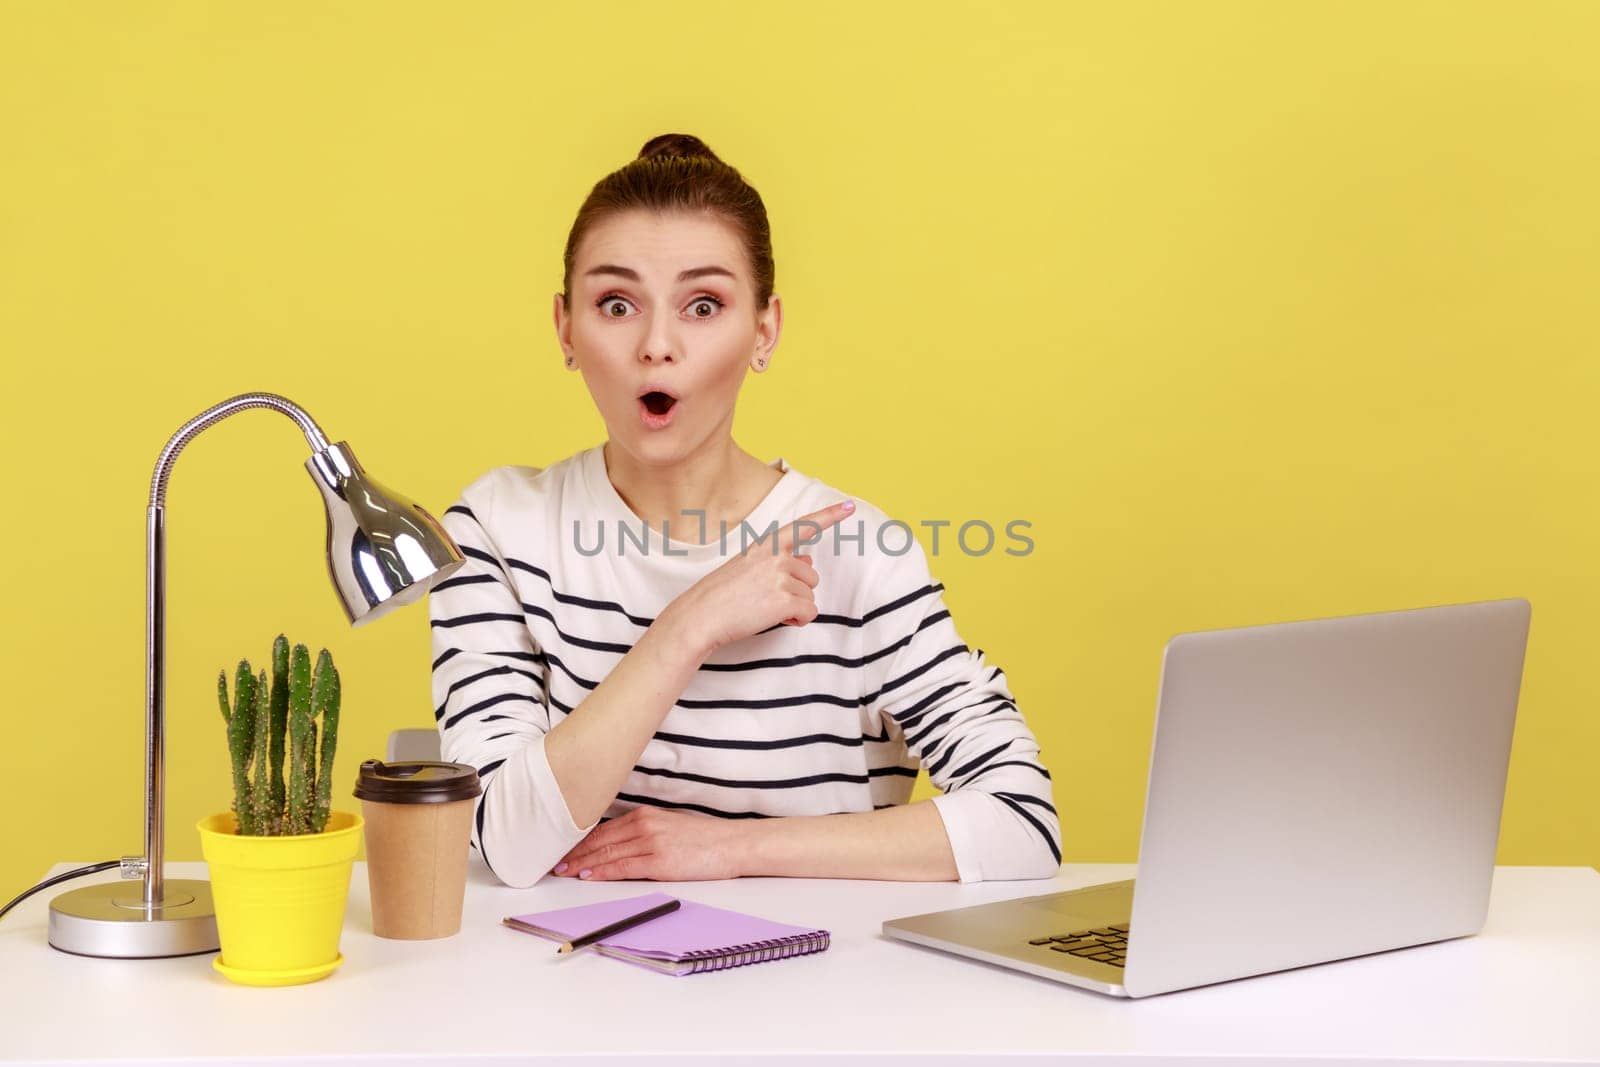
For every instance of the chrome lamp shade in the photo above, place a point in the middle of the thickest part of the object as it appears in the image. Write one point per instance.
(384, 551)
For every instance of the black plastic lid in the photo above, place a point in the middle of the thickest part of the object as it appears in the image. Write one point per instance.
(417, 782)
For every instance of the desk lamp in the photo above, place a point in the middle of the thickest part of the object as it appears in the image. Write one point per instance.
(383, 552)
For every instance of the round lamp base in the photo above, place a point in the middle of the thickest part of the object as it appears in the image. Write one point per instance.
(110, 920)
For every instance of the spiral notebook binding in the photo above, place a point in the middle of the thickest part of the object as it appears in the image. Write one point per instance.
(756, 952)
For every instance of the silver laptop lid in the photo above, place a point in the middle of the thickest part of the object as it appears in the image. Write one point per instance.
(1323, 789)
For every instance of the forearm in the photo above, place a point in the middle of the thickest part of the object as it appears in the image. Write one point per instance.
(905, 843)
(593, 750)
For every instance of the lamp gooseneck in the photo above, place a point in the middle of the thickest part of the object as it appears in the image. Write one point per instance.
(215, 414)
(155, 617)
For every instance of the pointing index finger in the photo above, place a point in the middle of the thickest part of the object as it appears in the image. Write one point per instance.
(813, 524)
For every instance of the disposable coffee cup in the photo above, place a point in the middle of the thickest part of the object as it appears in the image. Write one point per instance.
(418, 830)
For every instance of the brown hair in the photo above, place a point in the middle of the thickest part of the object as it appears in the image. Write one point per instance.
(677, 172)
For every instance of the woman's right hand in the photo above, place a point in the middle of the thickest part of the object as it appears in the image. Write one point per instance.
(756, 589)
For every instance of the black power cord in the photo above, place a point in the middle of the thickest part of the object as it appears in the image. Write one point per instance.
(93, 868)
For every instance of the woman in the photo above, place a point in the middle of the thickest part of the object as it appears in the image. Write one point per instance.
(670, 660)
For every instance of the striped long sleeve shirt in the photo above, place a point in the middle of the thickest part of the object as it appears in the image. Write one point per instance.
(838, 715)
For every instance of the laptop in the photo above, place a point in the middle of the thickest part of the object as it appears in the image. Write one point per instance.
(1318, 790)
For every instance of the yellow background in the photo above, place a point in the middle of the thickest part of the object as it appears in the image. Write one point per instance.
(1256, 311)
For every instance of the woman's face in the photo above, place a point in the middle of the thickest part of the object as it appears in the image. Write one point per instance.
(664, 302)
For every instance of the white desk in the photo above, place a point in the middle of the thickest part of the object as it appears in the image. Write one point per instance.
(1525, 990)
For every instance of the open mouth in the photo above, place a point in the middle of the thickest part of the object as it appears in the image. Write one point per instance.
(658, 403)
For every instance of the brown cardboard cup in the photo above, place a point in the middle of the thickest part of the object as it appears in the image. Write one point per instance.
(418, 828)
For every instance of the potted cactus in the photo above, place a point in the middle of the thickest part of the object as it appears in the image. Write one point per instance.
(281, 858)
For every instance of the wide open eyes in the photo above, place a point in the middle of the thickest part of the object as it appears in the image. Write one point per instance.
(614, 306)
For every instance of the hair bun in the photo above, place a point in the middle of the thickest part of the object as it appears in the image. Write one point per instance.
(676, 144)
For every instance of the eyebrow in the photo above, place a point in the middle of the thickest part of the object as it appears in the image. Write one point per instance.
(633, 275)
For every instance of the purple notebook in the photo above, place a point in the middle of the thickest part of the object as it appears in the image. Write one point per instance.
(696, 937)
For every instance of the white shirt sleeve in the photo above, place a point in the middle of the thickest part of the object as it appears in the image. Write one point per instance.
(959, 718)
(488, 703)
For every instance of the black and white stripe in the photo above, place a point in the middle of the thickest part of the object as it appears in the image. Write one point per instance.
(835, 716)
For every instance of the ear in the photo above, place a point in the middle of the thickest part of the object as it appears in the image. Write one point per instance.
(563, 323)
(769, 325)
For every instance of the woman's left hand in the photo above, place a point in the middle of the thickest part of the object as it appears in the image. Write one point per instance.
(660, 845)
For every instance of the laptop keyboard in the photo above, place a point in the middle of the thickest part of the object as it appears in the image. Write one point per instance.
(1103, 944)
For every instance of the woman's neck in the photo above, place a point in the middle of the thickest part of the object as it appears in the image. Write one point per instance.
(725, 482)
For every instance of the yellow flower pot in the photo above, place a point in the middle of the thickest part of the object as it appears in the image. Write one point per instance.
(280, 901)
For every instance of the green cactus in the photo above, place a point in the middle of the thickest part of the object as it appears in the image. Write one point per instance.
(241, 739)
(262, 812)
(298, 814)
(280, 717)
(293, 705)
(325, 705)
(312, 737)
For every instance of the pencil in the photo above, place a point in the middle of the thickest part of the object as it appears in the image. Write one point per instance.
(620, 925)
